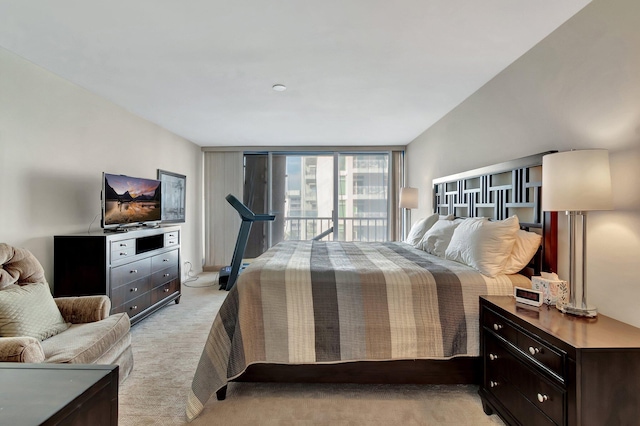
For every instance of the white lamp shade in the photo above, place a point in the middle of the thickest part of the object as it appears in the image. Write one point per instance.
(576, 181)
(409, 198)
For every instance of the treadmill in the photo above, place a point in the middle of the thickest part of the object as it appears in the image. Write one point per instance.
(229, 274)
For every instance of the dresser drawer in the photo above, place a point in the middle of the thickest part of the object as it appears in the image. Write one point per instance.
(164, 276)
(124, 274)
(171, 239)
(164, 260)
(123, 245)
(137, 305)
(500, 326)
(129, 291)
(120, 254)
(161, 292)
(542, 353)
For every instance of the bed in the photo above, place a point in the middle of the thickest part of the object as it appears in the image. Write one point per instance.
(354, 312)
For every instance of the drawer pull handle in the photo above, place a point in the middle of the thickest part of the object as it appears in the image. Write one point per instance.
(166, 290)
(494, 384)
(134, 307)
(123, 244)
(165, 260)
(133, 271)
(134, 289)
(542, 398)
(493, 357)
(166, 275)
(124, 253)
(497, 327)
(171, 242)
(534, 351)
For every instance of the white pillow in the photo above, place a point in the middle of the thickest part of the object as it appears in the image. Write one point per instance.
(422, 226)
(419, 228)
(525, 247)
(436, 239)
(484, 245)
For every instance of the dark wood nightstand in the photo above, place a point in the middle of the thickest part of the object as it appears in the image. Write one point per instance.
(542, 367)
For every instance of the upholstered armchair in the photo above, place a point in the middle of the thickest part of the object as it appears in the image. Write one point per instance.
(35, 327)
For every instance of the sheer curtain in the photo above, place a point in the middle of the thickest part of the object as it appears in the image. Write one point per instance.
(223, 174)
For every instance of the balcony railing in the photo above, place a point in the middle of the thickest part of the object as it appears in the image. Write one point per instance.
(348, 228)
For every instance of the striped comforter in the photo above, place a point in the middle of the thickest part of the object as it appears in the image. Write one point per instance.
(307, 302)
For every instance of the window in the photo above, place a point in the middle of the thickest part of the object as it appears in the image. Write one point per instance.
(303, 200)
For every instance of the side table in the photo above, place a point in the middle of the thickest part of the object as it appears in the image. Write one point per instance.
(58, 394)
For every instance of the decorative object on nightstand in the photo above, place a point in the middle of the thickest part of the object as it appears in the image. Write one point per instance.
(408, 201)
(577, 182)
(555, 290)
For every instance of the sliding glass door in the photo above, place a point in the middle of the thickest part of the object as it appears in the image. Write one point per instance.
(363, 207)
(332, 196)
(308, 195)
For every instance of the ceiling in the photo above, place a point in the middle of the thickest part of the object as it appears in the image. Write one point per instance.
(358, 72)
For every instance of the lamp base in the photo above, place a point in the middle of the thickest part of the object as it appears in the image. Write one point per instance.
(589, 311)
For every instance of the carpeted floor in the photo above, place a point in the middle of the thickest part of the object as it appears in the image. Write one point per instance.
(167, 347)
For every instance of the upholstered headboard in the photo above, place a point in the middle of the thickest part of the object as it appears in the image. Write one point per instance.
(499, 191)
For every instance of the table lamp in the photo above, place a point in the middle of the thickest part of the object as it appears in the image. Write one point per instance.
(577, 182)
(408, 201)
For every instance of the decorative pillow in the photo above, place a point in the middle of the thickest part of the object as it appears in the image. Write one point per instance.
(436, 239)
(30, 311)
(419, 228)
(484, 245)
(18, 266)
(525, 247)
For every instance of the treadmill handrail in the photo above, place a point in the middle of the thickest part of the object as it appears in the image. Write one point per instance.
(248, 217)
(244, 211)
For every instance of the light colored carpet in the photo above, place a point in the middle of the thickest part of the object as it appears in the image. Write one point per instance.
(167, 346)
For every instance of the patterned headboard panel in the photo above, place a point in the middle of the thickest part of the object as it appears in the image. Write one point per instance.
(500, 191)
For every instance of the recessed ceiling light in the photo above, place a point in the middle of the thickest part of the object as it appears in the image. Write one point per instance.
(279, 87)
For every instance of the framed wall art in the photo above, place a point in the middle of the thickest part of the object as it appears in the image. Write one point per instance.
(174, 190)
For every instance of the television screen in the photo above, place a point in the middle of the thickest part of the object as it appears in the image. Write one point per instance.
(129, 201)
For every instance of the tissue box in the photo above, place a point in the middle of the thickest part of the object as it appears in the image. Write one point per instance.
(554, 291)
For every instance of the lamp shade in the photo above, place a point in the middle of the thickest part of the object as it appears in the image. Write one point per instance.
(409, 198)
(576, 181)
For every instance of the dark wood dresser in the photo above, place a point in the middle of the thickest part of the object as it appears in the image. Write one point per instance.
(542, 367)
(58, 394)
(139, 270)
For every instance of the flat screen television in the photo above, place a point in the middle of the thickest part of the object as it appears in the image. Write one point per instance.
(130, 201)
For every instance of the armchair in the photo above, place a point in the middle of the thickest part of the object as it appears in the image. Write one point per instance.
(35, 327)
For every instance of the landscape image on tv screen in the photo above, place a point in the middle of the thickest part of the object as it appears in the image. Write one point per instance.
(131, 200)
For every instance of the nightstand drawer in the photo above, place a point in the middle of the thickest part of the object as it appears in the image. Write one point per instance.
(519, 406)
(502, 367)
(500, 326)
(542, 353)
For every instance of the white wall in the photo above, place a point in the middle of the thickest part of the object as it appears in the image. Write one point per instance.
(579, 88)
(56, 139)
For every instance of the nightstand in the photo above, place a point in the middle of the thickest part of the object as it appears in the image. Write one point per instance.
(542, 367)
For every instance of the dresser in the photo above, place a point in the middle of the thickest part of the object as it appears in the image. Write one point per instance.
(542, 367)
(139, 269)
